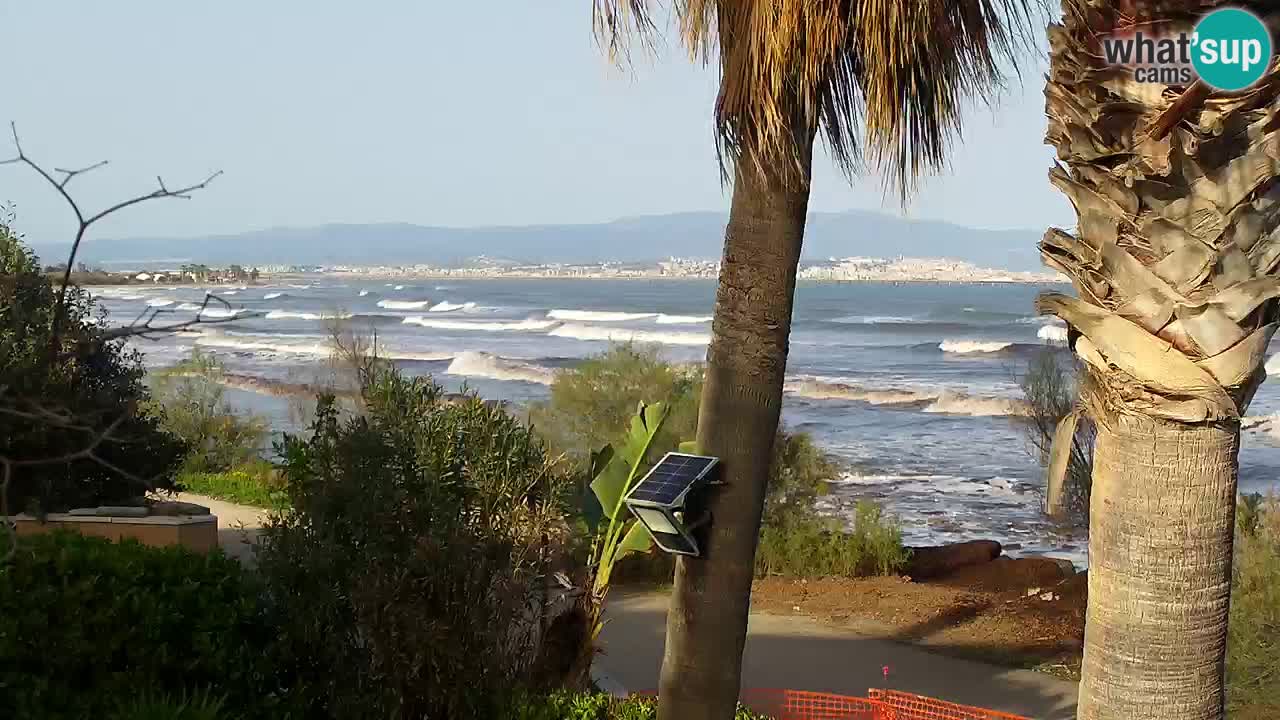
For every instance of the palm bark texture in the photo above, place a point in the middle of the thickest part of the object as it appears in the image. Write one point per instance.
(1174, 260)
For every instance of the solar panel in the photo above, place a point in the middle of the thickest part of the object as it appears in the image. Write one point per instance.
(673, 476)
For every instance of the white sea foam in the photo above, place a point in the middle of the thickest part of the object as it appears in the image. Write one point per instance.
(1273, 365)
(228, 292)
(595, 332)
(664, 319)
(272, 296)
(597, 315)
(1053, 333)
(530, 325)
(403, 304)
(875, 320)
(300, 287)
(398, 287)
(188, 307)
(953, 403)
(448, 306)
(363, 293)
(221, 313)
(303, 345)
(481, 364)
(126, 297)
(972, 347)
(160, 302)
(290, 315)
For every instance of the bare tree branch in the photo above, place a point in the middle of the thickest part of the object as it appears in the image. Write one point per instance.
(83, 222)
(142, 326)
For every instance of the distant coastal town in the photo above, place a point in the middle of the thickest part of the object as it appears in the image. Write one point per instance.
(850, 269)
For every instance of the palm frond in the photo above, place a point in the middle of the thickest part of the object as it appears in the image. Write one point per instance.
(890, 75)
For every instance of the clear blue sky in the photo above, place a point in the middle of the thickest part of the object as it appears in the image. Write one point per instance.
(444, 113)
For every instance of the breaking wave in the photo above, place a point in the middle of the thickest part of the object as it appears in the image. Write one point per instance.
(874, 320)
(290, 315)
(598, 315)
(587, 332)
(448, 306)
(220, 313)
(363, 293)
(931, 400)
(973, 347)
(481, 364)
(1273, 365)
(160, 302)
(188, 307)
(1053, 333)
(273, 296)
(303, 346)
(403, 304)
(664, 319)
(530, 325)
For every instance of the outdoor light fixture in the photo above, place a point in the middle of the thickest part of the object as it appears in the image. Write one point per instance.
(658, 500)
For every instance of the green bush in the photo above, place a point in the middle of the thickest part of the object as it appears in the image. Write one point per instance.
(594, 706)
(411, 567)
(190, 401)
(590, 406)
(87, 625)
(255, 483)
(71, 392)
(805, 547)
(1253, 646)
(162, 706)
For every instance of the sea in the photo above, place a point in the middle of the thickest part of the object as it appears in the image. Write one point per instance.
(912, 387)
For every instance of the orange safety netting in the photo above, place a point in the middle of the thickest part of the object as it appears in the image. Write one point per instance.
(880, 705)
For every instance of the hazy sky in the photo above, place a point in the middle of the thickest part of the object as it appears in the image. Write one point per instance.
(444, 113)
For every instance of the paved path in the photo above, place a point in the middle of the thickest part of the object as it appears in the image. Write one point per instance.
(238, 525)
(803, 654)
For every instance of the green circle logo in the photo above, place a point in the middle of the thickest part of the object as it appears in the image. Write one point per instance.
(1232, 49)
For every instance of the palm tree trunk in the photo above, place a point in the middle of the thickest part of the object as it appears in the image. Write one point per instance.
(737, 422)
(1161, 531)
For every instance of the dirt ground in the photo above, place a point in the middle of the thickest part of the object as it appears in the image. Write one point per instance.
(1019, 612)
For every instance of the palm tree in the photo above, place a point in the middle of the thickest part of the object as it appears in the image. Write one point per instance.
(1175, 263)
(884, 77)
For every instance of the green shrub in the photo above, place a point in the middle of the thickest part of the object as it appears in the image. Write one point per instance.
(805, 547)
(87, 624)
(190, 401)
(151, 705)
(410, 568)
(70, 394)
(1253, 646)
(594, 706)
(255, 483)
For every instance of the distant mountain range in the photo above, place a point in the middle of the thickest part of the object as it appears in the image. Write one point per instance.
(653, 237)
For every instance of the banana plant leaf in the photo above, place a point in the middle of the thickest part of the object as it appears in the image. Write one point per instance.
(619, 471)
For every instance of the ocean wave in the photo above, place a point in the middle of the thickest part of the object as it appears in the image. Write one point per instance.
(588, 332)
(228, 292)
(875, 320)
(221, 313)
(1053, 333)
(403, 304)
(481, 364)
(363, 293)
(300, 287)
(1272, 365)
(941, 401)
(290, 315)
(598, 315)
(273, 296)
(449, 307)
(664, 319)
(160, 302)
(398, 287)
(973, 347)
(188, 307)
(530, 325)
(319, 348)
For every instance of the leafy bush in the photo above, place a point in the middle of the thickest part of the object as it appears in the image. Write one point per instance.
(156, 706)
(1052, 386)
(411, 568)
(257, 483)
(800, 547)
(590, 406)
(1253, 646)
(71, 391)
(87, 624)
(594, 706)
(190, 401)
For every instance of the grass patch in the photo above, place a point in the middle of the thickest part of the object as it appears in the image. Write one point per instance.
(256, 484)
(1253, 647)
